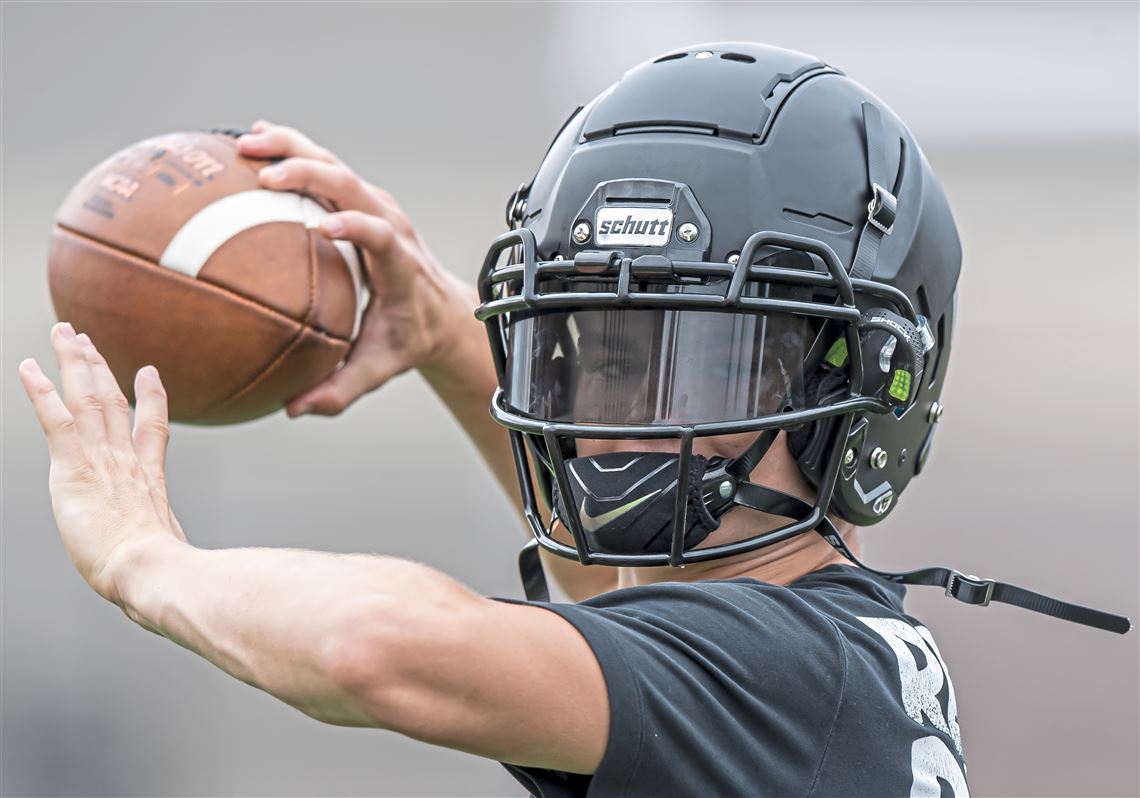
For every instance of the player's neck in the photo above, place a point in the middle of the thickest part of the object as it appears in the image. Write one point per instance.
(779, 564)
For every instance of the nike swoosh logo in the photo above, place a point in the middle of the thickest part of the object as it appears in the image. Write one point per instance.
(593, 523)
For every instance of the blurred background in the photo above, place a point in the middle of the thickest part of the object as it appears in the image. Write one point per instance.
(1028, 112)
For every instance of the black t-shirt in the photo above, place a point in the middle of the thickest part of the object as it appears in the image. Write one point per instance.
(732, 687)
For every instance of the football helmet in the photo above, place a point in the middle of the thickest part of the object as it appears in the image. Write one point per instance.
(732, 240)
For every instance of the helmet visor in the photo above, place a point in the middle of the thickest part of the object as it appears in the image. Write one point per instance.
(641, 366)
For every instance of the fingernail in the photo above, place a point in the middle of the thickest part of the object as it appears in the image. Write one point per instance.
(250, 140)
(332, 226)
(31, 366)
(83, 340)
(299, 410)
(150, 372)
(273, 173)
(66, 330)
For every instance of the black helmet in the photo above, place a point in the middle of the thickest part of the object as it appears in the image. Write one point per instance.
(732, 239)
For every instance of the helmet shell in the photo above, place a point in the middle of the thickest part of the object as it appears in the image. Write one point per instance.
(767, 139)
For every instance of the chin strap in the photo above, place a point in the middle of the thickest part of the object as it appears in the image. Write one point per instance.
(532, 573)
(742, 466)
(964, 587)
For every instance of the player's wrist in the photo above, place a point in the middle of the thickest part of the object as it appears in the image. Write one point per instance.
(456, 339)
(132, 573)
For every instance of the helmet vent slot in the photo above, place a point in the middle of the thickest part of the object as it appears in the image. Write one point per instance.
(638, 200)
(936, 369)
(671, 57)
(741, 57)
(819, 220)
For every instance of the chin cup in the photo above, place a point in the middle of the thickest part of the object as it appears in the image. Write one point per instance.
(625, 502)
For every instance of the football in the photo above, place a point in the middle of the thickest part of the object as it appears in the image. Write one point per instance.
(170, 253)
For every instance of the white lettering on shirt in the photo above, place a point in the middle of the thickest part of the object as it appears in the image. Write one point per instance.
(931, 759)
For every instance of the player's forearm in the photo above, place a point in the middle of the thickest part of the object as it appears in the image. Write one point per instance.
(290, 622)
(463, 376)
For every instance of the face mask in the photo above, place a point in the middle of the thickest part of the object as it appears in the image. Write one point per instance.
(626, 502)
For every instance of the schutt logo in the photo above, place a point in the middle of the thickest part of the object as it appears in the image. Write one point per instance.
(639, 227)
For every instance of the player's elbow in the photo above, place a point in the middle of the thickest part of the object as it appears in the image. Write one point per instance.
(352, 661)
(385, 655)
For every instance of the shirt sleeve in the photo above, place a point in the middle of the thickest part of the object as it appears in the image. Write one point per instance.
(713, 687)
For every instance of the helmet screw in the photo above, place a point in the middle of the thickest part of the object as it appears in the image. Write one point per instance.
(725, 489)
(849, 458)
(558, 256)
(935, 414)
(734, 258)
(582, 232)
(687, 232)
(879, 458)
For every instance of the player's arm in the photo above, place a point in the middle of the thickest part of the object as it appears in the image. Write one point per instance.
(348, 639)
(421, 316)
(360, 640)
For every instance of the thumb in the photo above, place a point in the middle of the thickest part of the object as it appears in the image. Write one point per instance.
(363, 372)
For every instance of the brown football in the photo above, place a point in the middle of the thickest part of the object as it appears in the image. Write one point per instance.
(170, 253)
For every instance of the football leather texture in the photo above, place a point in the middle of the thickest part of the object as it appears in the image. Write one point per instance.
(170, 253)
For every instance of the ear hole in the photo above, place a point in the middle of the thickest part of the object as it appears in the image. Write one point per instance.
(923, 301)
(798, 438)
(940, 337)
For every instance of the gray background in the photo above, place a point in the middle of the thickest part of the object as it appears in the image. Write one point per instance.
(1028, 113)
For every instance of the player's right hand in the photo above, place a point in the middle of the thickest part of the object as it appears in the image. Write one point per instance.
(407, 319)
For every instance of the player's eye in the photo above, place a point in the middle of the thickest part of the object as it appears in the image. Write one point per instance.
(613, 366)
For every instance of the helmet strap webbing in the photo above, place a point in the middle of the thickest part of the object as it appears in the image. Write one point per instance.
(883, 206)
(532, 573)
(742, 466)
(963, 587)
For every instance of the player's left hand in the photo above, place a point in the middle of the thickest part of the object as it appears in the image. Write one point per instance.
(107, 480)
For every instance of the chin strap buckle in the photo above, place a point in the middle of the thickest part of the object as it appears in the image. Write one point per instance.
(516, 206)
(882, 209)
(969, 589)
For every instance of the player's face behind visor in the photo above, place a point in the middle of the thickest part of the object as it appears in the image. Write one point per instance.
(655, 367)
(634, 367)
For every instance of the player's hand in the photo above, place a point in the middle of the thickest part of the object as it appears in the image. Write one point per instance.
(107, 480)
(405, 324)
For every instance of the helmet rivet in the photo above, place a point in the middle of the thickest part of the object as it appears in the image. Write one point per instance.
(879, 458)
(935, 414)
(687, 232)
(582, 232)
(725, 489)
(558, 256)
(734, 258)
(849, 457)
(704, 54)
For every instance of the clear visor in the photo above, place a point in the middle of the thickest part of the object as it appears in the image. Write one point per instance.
(655, 366)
